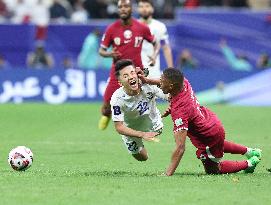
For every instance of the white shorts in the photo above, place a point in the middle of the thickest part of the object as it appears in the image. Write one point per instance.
(133, 144)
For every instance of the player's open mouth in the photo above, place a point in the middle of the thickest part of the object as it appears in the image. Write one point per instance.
(133, 83)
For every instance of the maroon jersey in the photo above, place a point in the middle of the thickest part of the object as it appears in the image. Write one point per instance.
(201, 124)
(127, 39)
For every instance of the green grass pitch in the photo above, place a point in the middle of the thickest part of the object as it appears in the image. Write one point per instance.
(76, 164)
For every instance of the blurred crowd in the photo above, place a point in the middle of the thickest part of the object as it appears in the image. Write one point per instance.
(254, 4)
(41, 12)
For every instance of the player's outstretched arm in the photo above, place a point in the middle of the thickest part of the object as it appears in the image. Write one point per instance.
(148, 81)
(124, 130)
(166, 113)
(178, 152)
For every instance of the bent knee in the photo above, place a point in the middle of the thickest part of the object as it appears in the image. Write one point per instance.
(140, 157)
(106, 110)
(211, 167)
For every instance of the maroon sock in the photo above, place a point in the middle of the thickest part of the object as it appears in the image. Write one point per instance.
(230, 147)
(232, 166)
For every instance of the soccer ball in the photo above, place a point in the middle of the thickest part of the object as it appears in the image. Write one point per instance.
(20, 158)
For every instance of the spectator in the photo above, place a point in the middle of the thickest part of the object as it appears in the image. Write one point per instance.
(186, 60)
(3, 63)
(89, 57)
(259, 4)
(67, 62)
(237, 62)
(112, 10)
(79, 15)
(40, 59)
(96, 8)
(211, 2)
(58, 12)
(235, 3)
(40, 17)
(21, 12)
(73, 2)
(3, 10)
(191, 4)
(264, 61)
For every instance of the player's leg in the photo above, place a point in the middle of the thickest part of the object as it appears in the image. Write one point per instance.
(233, 148)
(142, 155)
(135, 147)
(106, 115)
(211, 157)
(248, 166)
(227, 166)
(211, 161)
(112, 86)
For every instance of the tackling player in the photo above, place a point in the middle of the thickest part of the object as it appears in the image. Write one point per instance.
(202, 126)
(159, 30)
(134, 110)
(126, 36)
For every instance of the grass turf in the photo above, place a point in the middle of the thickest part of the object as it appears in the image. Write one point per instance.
(74, 163)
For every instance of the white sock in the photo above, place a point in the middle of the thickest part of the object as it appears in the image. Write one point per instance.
(248, 150)
(249, 163)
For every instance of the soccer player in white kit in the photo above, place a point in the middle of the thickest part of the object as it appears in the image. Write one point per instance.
(159, 30)
(134, 110)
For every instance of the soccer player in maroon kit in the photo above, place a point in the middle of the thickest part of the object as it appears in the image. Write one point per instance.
(125, 36)
(202, 126)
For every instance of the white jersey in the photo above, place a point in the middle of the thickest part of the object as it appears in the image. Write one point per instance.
(159, 30)
(138, 112)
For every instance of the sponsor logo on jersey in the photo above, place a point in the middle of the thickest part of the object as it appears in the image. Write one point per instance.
(128, 34)
(178, 122)
(127, 41)
(117, 41)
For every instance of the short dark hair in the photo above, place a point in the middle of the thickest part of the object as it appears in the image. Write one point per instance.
(145, 1)
(120, 64)
(174, 75)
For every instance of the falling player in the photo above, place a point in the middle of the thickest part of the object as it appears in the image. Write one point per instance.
(159, 30)
(134, 110)
(125, 36)
(202, 126)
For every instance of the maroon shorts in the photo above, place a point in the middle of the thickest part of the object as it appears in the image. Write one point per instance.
(210, 147)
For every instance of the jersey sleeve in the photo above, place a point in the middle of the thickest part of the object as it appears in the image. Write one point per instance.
(164, 39)
(180, 119)
(159, 93)
(116, 109)
(147, 34)
(106, 39)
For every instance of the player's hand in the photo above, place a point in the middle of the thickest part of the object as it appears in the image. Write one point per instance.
(150, 136)
(139, 71)
(166, 113)
(142, 78)
(115, 54)
(151, 60)
(162, 175)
